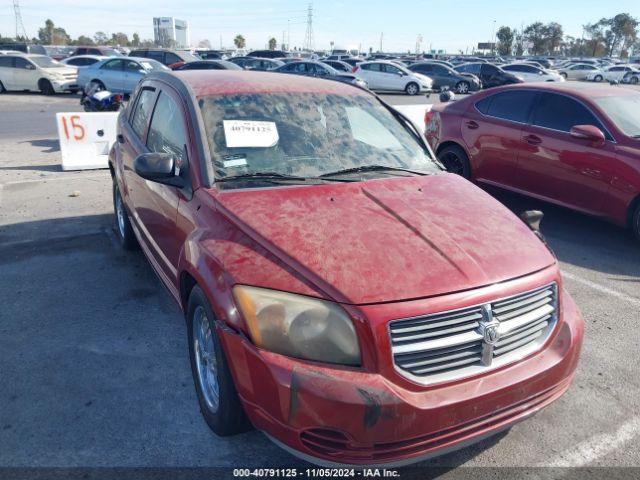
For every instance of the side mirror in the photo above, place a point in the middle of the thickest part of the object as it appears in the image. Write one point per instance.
(532, 218)
(589, 133)
(160, 168)
(30, 67)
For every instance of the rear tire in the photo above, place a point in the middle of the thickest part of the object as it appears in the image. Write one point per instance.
(97, 83)
(635, 222)
(463, 87)
(45, 87)
(598, 78)
(455, 160)
(563, 75)
(123, 224)
(217, 395)
(634, 81)
(412, 88)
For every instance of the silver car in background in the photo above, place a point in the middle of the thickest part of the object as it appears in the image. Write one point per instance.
(118, 75)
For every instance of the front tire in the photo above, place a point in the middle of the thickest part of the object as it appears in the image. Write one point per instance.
(634, 81)
(598, 78)
(217, 395)
(2, 89)
(455, 160)
(563, 75)
(463, 87)
(45, 87)
(123, 224)
(412, 88)
(635, 222)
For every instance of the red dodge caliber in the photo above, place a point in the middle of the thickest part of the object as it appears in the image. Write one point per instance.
(337, 298)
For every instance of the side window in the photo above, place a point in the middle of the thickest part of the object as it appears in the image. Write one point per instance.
(153, 55)
(425, 68)
(23, 64)
(391, 69)
(561, 113)
(142, 111)
(374, 67)
(483, 105)
(112, 65)
(439, 70)
(94, 51)
(513, 106)
(166, 132)
(81, 51)
(6, 62)
(132, 66)
(170, 58)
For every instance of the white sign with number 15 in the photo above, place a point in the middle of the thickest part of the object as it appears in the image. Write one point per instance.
(86, 138)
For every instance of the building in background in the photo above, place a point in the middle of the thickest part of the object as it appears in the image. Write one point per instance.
(170, 32)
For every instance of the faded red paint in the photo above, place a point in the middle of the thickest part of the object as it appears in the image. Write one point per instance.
(601, 180)
(383, 249)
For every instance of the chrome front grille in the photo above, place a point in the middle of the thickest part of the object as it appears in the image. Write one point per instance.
(455, 344)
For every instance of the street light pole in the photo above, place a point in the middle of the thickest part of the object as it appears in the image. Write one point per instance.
(493, 38)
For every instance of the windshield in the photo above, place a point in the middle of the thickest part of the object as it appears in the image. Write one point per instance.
(189, 57)
(150, 65)
(110, 52)
(624, 112)
(46, 62)
(306, 135)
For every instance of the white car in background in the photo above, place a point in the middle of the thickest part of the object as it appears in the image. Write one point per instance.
(531, 73)
(82, 61)
(36, 73)
(387, 76)
(614, 73)
(577, 71)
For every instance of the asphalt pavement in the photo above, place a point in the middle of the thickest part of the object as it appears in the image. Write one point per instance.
(94, 369)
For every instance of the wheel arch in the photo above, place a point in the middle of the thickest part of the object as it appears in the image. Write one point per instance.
(631, 209)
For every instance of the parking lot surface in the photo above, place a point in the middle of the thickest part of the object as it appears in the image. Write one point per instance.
(93, 353)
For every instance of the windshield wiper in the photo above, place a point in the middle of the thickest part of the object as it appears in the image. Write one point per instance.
(277, 177)
(371, 168)
(261, 176)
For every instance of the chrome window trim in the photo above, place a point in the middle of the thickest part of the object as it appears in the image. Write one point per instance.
(475, 370)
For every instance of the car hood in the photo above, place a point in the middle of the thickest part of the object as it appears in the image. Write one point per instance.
(386, 240)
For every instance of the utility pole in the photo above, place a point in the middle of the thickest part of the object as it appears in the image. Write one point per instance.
(381, 38)
(20, 30)
(308, 36)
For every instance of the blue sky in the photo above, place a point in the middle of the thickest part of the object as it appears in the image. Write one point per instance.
(347, 23)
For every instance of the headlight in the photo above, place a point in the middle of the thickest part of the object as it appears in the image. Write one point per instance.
(298, 326)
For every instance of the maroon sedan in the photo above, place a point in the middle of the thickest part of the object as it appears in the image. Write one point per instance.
(336, 297)
(572, 144)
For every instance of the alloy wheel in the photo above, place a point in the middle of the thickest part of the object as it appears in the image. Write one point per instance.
(120, 214)
(463, 87)
(412, 89)
(206, 362)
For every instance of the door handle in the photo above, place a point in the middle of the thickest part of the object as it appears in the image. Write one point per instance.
(471, 125)
(120, 138)
(533, 140)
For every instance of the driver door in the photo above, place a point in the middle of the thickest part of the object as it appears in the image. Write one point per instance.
(112, 75)
(393, 78)
(25, 74)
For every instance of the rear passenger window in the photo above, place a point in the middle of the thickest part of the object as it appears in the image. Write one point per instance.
(142, 112)
(5, 61)
(513, 106)
(171, 58)
(166, 132)
(483, 105)
(561, 113)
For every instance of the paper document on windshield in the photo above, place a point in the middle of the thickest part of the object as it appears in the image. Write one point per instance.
(247, 133)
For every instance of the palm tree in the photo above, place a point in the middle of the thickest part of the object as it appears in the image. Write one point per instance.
(239, 41)
(272, 43)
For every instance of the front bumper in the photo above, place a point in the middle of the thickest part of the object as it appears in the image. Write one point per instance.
(345, 416)
(65, 85)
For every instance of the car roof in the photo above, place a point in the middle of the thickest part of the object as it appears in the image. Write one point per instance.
(584, 90)
(227, 82)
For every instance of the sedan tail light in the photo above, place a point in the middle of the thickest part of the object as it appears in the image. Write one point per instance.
(428, 116)
(355, 69)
